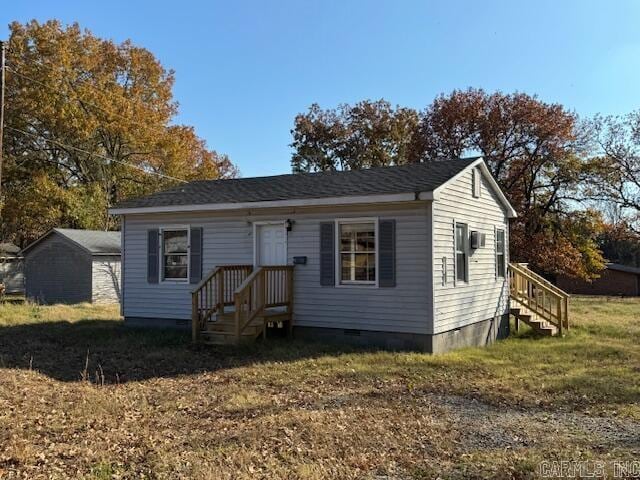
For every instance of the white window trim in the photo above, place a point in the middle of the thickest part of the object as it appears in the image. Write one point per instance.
(495, 253)
(338, 270)
(174, 228)
(467, 252)
(504, 253)
(255, 238)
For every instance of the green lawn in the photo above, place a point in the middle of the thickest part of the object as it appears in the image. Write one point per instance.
(83, 397)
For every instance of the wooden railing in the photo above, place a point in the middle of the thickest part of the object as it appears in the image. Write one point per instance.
(214, 293)
(539, 295)
(266, 287)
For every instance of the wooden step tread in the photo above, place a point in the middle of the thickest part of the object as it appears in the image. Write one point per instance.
(539, 325)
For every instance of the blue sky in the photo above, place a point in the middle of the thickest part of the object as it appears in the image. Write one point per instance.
(244, 69)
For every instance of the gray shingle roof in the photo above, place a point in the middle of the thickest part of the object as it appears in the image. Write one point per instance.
(95, 241)
(422, 177)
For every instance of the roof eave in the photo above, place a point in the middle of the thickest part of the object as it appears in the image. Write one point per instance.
(305, 202)
(67, 239)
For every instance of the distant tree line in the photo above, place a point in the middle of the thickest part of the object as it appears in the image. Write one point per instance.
(574, 182)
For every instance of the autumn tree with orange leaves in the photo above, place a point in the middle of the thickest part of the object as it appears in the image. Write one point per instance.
(536, 151)
(88, 122)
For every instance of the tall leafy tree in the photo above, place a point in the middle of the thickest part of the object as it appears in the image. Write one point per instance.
(536, 151)
(89, 122)
(616, 165)
(367, 134)
(620, 244)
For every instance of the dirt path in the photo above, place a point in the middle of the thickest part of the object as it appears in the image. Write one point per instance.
(489, 426)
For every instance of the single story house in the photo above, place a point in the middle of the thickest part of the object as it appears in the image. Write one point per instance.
(11, 275)
(73, 266)
(411, 256)
(615, 279)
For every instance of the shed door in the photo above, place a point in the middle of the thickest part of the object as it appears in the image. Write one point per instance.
(271, 245)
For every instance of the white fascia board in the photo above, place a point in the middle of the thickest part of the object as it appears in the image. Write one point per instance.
(479, 162)
(306, 202)
(428, 196)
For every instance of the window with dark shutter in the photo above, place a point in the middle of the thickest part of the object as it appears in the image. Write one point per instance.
(387, 253)
(327, 255)
(153, 263)
(195, 255)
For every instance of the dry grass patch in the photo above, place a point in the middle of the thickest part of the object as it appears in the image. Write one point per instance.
(83, 397)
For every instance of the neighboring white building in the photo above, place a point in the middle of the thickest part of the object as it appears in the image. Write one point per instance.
(411, 256)
(11, 275)
(73, 266)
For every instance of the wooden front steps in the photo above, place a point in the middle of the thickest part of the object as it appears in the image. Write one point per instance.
(221, 330)
(537, 302)
(539, 325)
(236, 303)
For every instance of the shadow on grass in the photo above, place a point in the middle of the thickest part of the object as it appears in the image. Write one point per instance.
(97, 349)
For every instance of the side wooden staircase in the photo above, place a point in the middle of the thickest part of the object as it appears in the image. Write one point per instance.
(537, 302)
(237, 303)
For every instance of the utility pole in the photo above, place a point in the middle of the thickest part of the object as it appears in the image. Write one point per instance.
(3, 74)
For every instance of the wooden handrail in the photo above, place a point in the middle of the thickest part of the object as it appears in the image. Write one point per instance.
(265, 287)
(539, 295)
(525, 270)
(213, 293)
(250, 279)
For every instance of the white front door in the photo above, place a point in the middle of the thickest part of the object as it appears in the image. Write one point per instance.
(271, 244)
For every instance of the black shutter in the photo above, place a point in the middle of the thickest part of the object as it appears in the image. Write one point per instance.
(195, 255)
(327, 258)
(153, 263)
(387, 254)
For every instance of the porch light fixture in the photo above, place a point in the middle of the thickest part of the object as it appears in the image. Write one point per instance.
(288, 224)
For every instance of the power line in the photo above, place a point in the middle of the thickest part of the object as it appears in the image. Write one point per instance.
(109, 159)
(78, 98)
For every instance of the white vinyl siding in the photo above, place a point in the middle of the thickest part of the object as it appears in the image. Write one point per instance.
(228, 239)
(11, 274)
(105, 279)
(483, 296)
